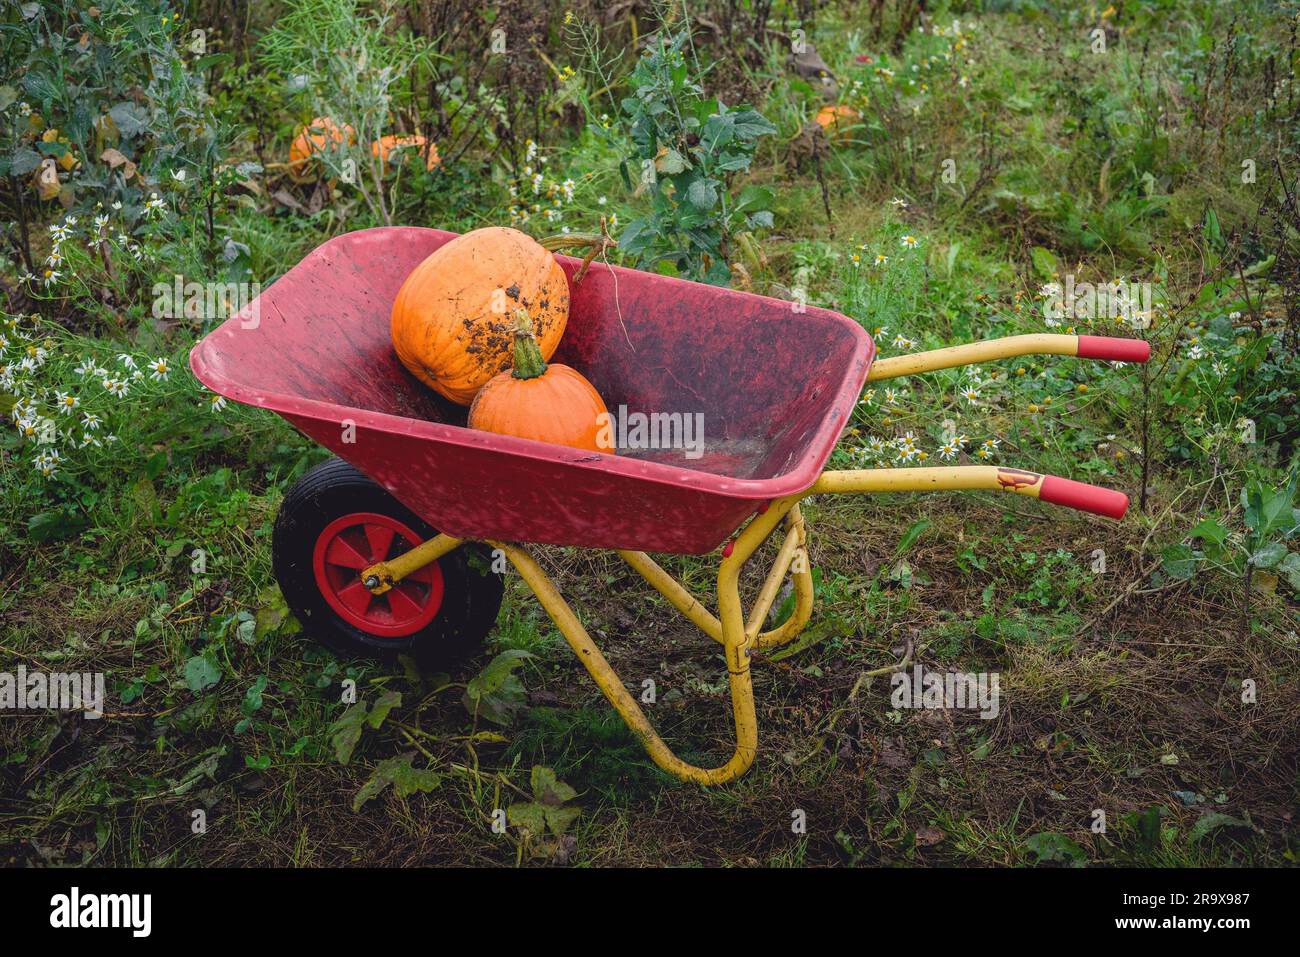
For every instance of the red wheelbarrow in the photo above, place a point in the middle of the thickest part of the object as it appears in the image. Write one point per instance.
(389, 555)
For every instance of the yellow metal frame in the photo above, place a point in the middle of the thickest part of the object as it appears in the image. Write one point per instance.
(739, 634)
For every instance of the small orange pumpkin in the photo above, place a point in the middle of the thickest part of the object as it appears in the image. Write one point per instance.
(451, 319)
(313, 138)
(546, 403)
(383, 147)
(837, 119)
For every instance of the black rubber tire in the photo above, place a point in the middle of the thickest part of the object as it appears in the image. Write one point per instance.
(471, 592)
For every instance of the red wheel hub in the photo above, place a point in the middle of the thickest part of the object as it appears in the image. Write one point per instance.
(354, 542)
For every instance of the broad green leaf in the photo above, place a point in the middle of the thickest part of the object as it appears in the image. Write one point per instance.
(23, 161)
(384, 704)
(751, 124)
(346, 731)
(1178, 561)
(1210, 530)
(1210, 822)
(702, 194)
(531, 817)
(753, 198)
(201, 674)
(1268, 555)
(547, 789)
(1289, 568)
(495, 692)
(671, 163)
(398, 773)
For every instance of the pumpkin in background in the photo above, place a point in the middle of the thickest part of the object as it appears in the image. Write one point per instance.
(452, 325)
(383, 147)
(546, 403)
(836, 119)
(313, 138)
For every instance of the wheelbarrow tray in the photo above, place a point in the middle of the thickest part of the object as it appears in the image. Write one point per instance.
(774, 381)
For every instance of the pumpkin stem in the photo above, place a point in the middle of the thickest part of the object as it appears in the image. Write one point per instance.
(529, 363)
(596, 244)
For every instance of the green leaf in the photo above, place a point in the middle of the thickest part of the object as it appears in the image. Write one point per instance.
(910, 536)
(671, 163)
(547, 789)
(550, 809)
(201, 674)
(753, 198)
(346, 731)
(1211, 230)
(131, 119)
(1290, 569)
(531, 817)
(703, 194)
(1210, 530)
(53, 526)
(253, 696)
(398, 773)
(246, 629)
(1178, 561)
(1045, 262)
(1049, 846)
(1268, 555)
(1147, 825)
(495, 693)
(384, 704)
(23, 161)
(751, 124)
(1210, 822)
(826, 627)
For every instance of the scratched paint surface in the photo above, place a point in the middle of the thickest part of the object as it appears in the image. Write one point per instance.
(774, 387)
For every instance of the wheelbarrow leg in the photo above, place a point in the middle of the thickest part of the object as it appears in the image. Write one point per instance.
(792, 555)
(734, 646)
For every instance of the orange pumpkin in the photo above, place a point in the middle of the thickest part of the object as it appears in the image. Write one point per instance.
(546, 403)
(383, 147)
(313, 138)
(451, 320)
(836, 119)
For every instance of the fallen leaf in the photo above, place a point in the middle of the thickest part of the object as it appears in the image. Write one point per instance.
(286, 199)
(114, 159)
(929, 836)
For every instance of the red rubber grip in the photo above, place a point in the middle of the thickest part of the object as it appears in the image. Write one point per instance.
(1113, 349)
(1084, 497)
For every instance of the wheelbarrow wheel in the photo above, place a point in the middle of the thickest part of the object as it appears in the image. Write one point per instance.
(333, 523)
